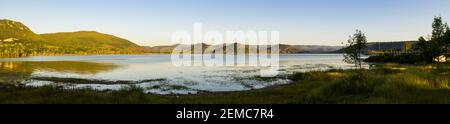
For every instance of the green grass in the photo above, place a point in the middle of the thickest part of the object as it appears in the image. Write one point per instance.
(387, 84)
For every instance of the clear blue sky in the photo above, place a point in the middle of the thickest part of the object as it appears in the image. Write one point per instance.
(151, 22)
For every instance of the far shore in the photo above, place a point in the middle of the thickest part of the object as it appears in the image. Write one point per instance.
(137, 54)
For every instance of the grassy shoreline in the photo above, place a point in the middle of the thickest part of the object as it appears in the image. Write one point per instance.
(390, 83)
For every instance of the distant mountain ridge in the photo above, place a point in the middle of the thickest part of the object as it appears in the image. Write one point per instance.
(283, 48)
(397, 47)
(17, 40)
(318, 48)
(389, 45)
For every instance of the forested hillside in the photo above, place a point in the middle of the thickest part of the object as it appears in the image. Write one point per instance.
(17, 40)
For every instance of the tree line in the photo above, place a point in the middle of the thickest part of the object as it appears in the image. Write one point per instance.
(23, 48)
(427, 50)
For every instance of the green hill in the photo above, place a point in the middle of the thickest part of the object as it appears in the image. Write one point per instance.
(17, 40)
(87, 39)
(13, 29)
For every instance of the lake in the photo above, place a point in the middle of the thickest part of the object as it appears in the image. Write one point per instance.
(154, 73)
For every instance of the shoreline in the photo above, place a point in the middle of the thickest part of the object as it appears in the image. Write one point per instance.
(394, 84)
(2, 57)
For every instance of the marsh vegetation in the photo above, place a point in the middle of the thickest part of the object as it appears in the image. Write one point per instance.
(388, 83)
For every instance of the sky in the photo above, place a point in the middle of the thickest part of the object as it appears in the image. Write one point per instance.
(300, 22)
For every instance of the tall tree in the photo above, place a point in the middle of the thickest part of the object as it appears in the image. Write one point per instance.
(446, 38)
(438, 28)
(438, 44)
(354, 48)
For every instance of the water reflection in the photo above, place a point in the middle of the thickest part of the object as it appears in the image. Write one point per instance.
(154, 73)
(11, 72)
(19, 71)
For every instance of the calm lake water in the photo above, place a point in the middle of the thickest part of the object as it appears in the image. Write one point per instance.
(154, 73)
